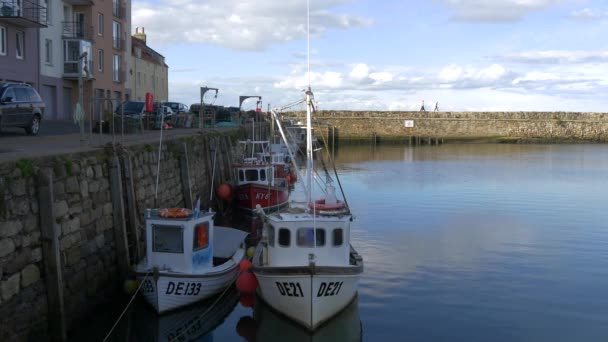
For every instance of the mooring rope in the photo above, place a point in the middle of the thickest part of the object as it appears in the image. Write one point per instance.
(128, 304)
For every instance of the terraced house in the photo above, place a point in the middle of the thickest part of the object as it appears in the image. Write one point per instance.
(50, 43)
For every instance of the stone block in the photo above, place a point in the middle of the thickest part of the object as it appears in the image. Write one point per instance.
(20, 206)
(35, 238)
(7, 246)
(104, 184)
(88, 248)
(94, 186)
(99, 227)
(10, 228)
(98, 171)
(36, 255)
(18, 187)
(70, 226)
(75, 169)
(108, 222)
(73, 256)
(85, 219)
(29, 275)
(58, 188)
(19, 260)
(87, 203)
(96, 213)
(77, 281)
(107, 209)
(75, 209)
(100, 241)
(89, 172)
(10, 287)
(31, 224)
(61, 209)
(84, 188)
(72, 186)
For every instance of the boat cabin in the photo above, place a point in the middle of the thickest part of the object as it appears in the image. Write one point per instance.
(292, 238)
(179, 244)
(254, 174)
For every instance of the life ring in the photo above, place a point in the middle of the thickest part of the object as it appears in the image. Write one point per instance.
(321, 206)
(174, 212)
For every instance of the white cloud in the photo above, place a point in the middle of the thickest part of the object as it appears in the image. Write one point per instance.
(360, 71)
(589, 14)
(557, 57)
(249, 25)
(495, 10)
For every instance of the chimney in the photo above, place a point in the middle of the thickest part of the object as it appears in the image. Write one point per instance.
(140, 35)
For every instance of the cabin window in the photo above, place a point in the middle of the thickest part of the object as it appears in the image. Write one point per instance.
(241, 176)
(338, 237)
(251, 175)
(284, 237)
(270, 236)
(262, 175)
(167, 239)
(201, 236)
(306, 237)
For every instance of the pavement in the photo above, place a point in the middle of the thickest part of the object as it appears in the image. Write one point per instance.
(63, 137)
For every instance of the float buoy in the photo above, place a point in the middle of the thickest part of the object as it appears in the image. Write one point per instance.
(250, 252)
(244, 265)
(246, 283)
(174, 212)
(247, 301)
(224, 192)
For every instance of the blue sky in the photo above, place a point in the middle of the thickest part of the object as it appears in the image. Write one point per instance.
(484, 55)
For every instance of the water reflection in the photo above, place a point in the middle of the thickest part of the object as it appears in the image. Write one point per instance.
(267, 325)
(193, 323)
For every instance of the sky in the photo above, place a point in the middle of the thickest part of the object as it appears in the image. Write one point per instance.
(467, 55)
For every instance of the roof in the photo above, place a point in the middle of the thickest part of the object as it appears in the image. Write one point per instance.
(147, 53)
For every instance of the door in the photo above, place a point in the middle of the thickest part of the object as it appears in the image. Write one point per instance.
(49, 96)
(24, 106)
(79, 24)
(67, 103)
(9, 108)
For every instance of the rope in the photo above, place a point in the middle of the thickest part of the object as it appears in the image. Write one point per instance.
(210, 307)
(128, 304)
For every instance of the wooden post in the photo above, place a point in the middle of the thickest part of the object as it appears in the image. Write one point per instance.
(53, 275)
(184, 167)
(118, 211)
(131, 205)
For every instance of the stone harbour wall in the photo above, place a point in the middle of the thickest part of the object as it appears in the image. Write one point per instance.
(71, 225)
(549, 126)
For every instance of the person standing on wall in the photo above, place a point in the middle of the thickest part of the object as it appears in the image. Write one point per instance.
(437, 106)
(422, 107)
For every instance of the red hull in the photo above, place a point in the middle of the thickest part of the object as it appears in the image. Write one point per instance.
(248, 196)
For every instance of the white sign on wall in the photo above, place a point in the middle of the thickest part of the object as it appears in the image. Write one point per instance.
(409, 123)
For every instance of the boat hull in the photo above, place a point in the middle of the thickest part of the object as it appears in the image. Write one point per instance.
(249, 196)
(308, 299)
(167, 291)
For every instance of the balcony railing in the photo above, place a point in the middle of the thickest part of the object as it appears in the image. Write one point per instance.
(119, 44)
(77, 30)
(79, 2)
(118, 10)
(70, 69)
(23, 13)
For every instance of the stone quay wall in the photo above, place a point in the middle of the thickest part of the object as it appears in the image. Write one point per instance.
(548, 126)
(72, 225)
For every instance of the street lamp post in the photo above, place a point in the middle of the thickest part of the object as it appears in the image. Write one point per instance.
(81, 69)
(202, 107)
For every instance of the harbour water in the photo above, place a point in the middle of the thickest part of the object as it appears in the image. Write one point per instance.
(460, 243)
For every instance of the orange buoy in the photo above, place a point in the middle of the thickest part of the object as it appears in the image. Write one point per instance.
(224, 192)
(246, 283)
(244, 265)
(247, 300)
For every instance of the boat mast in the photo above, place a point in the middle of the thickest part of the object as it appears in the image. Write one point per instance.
(309, 157)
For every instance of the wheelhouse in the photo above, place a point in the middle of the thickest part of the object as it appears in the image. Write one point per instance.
(183, 243)
(288, 235)
(262, 175)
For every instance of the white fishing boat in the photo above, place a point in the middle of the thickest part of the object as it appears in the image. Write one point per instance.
(187, 258)
(305, 265)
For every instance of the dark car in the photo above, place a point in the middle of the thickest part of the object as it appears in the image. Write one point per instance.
(176, 107)
(20, 106)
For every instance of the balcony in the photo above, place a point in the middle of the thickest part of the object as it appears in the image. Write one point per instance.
(76, 30)
(70, 70)
(119, 10)
(80, 2)
(119, 44)
(22, 13)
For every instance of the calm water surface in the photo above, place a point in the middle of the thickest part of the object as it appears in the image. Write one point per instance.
(460, 243)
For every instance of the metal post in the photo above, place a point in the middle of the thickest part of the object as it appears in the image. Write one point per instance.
(81, 94)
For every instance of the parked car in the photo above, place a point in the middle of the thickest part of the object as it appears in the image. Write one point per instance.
(178, 108)
(21, 106)
(131, 108)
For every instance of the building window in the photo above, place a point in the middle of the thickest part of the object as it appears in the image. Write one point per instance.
(116, 68)
(116, 34)
(46, 4)
(100, 58)
(2, 41)
(20, 44)
(48, 51)
(100, 24)
(116, 8)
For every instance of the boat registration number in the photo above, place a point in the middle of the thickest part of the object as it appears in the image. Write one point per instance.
(183, 288)
(329, 289)
(290, 289)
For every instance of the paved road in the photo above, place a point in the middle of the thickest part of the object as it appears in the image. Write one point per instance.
(62, 137)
